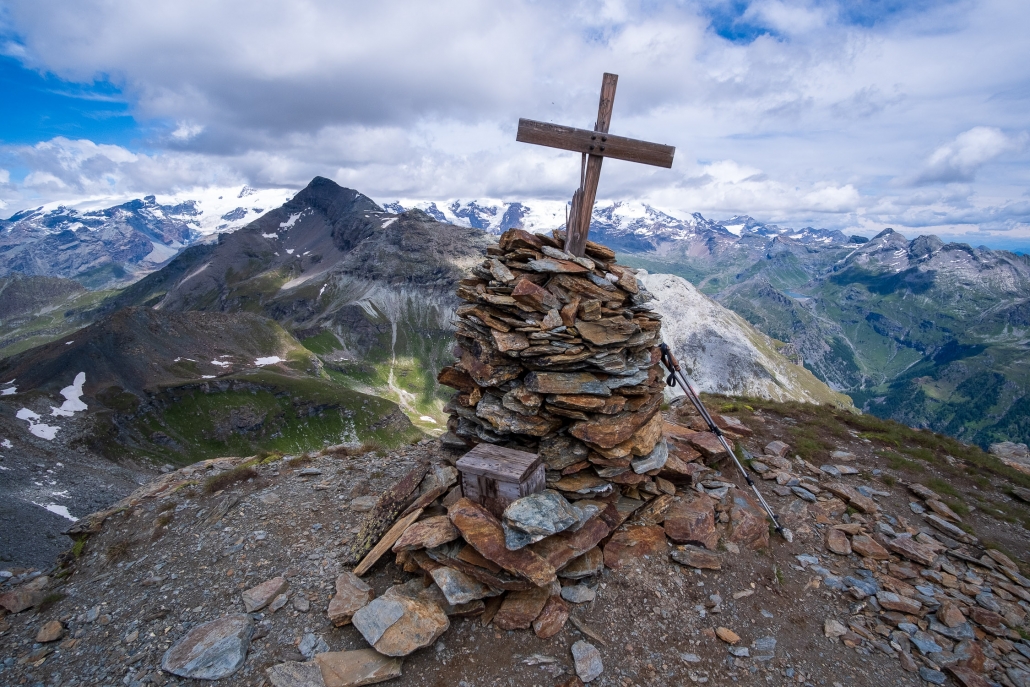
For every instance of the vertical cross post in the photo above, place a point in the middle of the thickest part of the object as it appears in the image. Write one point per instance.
(583, 200)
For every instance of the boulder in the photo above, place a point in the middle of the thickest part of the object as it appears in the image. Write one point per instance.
(748, 523)
(427, 534)
(483, 531)
(837, 542)
(212, 650)
(398, 622)
(50, 632)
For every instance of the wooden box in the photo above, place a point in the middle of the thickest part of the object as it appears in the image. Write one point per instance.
(494, 476)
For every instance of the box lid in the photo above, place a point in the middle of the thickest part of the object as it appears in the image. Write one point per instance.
(498, 462)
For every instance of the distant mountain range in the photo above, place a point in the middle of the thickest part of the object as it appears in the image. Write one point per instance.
(929, 333)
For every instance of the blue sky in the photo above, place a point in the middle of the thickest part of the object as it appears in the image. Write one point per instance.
(853, 115)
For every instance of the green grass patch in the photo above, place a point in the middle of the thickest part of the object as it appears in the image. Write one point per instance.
(943, 487)
(79, 547)
(322, 344)
(49, 601)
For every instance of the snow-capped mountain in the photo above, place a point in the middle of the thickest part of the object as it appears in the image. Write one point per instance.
(105, 241)
(618, 224)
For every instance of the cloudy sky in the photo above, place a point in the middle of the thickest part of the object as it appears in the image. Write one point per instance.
(858, 115)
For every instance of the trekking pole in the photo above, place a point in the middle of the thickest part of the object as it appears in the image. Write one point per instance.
(676, 375)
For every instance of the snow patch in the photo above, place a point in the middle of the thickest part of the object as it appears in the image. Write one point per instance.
(68, 343)
(162, 253)
(207, 376)
(9, 391)
(289, 251)
(220, 363)
(426, 418)
(57, 510)
(288, 224)
(270, 236)
(270, 360)
(37, 428)
(6, 443)
(72, 398)
(388, 222)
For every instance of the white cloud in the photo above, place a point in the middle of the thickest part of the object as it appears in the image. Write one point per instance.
(826, 122)
(959, 159)
(5, 176)
(186, 130)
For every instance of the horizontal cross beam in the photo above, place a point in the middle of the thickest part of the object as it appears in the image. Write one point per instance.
(594, 143)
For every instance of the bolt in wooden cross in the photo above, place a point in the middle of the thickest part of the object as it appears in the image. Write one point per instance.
(595, 146)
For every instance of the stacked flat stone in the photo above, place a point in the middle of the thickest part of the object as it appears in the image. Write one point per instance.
(559, 355)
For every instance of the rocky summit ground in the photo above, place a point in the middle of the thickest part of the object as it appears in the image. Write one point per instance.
(925, 602)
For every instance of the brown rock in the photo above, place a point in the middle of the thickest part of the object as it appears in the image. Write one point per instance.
(25, 596)
(692, 522)
(727, 635)
(607, 331)
(510, 341)
(896, 602)
(988, 620)
(837, 542)
(611, 430)
(593, 404)
(356, 668)
(532, 296)
(748, 523)
(950, 614)
(777, 448)
(643, 440)
(427, 534)
(256, 598)
(864, 504)
(456, 379)
(520, 609)
(728, 423)
(633, 542)
(50, 632)
(559, 452)
(942, 509)
(585, 565)
(970, 654)
(1002, 559)
(867, 547)
(708, 445)
(400, 621)
(677, 471)
(552, 618)
(566, 383)
(909, 548)
(582, 483)
(967, 676)
(482, 530)
(559, 549)
(491, 409)
(351, 594)
(840, 490)
(696, 557)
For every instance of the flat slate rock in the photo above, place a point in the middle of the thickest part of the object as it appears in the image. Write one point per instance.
(352, 593)
(295, 674)
(631, 543)
(696, 557)
(520, 609)
(427, 534)
(531, 518)
(483, 531)
(212, 650)
(692, 522)
(587, 660)
(356, 668)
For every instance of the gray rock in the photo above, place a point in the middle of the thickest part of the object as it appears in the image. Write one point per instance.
(759, 467)
(803, 494)
(847, 469)
(256, 598)
(311, 644)
(740, 651)
(588, 661)
(934, 677)
(1018, 676)
(925, 643)
(295, 674)
(458, 588)
(363, 503)
(830, 470)
(211, 651)
(765, 648)
(534, 517)
(958, 633)
(578, 594)
(842, 455)
(301, 603)
(309, 472)
(400, 621)
(655, 460)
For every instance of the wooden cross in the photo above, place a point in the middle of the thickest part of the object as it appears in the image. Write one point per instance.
(595, 146)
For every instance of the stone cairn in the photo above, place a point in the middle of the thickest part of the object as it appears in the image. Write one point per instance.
(558, 355)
